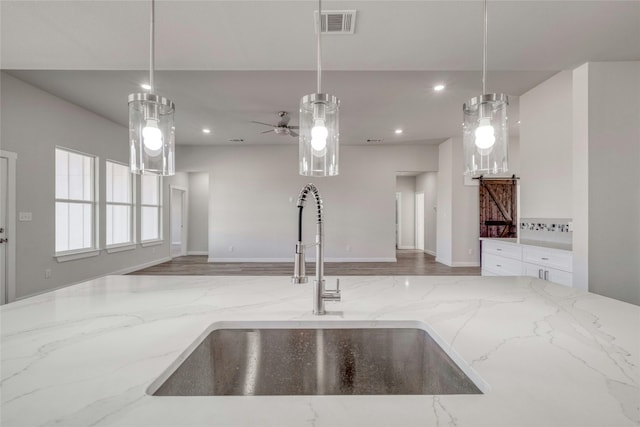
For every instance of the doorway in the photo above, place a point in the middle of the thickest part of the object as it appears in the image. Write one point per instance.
(178, 221)
(398, 219)
(7, 226)
(420, 221)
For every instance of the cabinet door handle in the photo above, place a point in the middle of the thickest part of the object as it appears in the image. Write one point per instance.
(545, 259)
(540, 273)
(499, 250)
(546, 275)
(498, 265)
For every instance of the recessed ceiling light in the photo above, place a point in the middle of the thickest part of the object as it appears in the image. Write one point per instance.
(439, 87)
(145, 86)
(205, 130)
(398, 131)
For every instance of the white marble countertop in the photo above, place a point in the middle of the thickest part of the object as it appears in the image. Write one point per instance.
(552, 356)
(529, 242)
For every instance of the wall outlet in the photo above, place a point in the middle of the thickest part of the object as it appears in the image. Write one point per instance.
(47, 273)
(25, 216)
(230, 248)
(348, 248)
(470, 251)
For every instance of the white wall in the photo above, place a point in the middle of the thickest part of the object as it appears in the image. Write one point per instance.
(406, 185)
(198, 243)
(427, 183)
(546, 149)
(607, 216)
(253, 192)
(444, 216)
(33, 122)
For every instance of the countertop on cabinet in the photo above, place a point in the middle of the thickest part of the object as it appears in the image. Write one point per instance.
(552, 356)
(530, 242)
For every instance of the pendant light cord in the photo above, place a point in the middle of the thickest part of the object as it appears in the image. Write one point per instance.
(319, 58)
(152, 43)
(484, 52)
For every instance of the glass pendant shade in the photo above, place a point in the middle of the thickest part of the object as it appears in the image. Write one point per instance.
(485, 135)
(151, 134)
(319, 135)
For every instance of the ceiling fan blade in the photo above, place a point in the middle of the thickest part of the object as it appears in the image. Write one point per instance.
(293, 134)
(260, 123)
(267, 131)
(293, 127)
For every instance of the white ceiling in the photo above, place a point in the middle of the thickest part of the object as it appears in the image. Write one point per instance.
(225, 63)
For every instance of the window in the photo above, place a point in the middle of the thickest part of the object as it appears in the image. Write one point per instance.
(119, 203)
(150, 207)
(75, 202)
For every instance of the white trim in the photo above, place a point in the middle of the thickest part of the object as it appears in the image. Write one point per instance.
(430, 252)
(72, 256)
(11, 224)
(140, 266)
(232, 260)
(121, 248)
(419, 219)
(148, 243)
(399, 219)
(184, 219)
(119, 272)
(465, 264)
(406, 247)
(197, 252)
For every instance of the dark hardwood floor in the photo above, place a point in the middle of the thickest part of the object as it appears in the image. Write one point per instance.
(410, 263)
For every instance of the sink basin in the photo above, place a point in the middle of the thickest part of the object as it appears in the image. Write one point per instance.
(311, 360)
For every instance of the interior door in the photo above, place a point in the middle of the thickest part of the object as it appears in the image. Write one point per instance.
(177, 222)
(4, 170)
(498, 207)
(420, 221)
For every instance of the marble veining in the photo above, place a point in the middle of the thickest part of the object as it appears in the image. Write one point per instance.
(552, 356)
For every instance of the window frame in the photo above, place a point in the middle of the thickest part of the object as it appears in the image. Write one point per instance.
(158, 240)
(94, 250)
(132, 243)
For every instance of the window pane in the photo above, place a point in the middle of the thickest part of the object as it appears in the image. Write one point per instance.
(109, 175)
(62, 174)
(76, 177)
(62, 227)
(118, 224)
(87, 217)
(80, 226)
(118, 183)
(149, 220)
(150, 190)
(86, 179)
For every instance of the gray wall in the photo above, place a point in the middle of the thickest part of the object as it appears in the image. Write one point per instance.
(606, 145)
(546, 149)
(33, 123)
(253, 192)
(198, 243)
(406, 186)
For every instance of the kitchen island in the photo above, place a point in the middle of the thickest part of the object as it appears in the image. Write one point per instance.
(86, 355)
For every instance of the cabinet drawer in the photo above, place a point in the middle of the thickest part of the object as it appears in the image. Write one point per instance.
(551, 274)
(560, 260)
(508, 250)
(501, 266)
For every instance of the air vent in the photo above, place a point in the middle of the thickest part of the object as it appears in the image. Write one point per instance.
(374, 140)
(236, 140)
(336, 21)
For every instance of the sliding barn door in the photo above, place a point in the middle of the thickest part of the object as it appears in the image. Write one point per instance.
(498, 202)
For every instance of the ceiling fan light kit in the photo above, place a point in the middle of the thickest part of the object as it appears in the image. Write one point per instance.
(151, 125)
(485, 128)
(319, 139)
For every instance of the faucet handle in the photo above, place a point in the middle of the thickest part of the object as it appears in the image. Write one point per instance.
(331, 294)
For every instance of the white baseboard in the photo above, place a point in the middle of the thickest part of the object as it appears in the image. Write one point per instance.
(139, 267)
(197, 252)
(406, 247)
(432, 253)
(230, 260)
(466, 264)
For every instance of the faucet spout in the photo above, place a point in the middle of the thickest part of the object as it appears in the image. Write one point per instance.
(320, 294)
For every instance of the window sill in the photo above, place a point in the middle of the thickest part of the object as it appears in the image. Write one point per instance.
(151, 243)
(121, 248)
(72, 256)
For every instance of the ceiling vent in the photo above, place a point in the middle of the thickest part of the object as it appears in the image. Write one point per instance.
(336, 21)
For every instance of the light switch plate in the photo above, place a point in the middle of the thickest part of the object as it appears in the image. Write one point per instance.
(24, 216)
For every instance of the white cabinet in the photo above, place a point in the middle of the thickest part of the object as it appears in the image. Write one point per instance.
(512, 259)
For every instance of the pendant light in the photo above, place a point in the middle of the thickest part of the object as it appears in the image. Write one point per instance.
(151, 124)
(319, 128)
(485, 132)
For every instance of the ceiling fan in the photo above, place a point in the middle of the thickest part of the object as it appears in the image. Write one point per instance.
(282, 127)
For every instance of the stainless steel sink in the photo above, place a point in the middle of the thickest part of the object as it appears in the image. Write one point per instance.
(316, 361)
